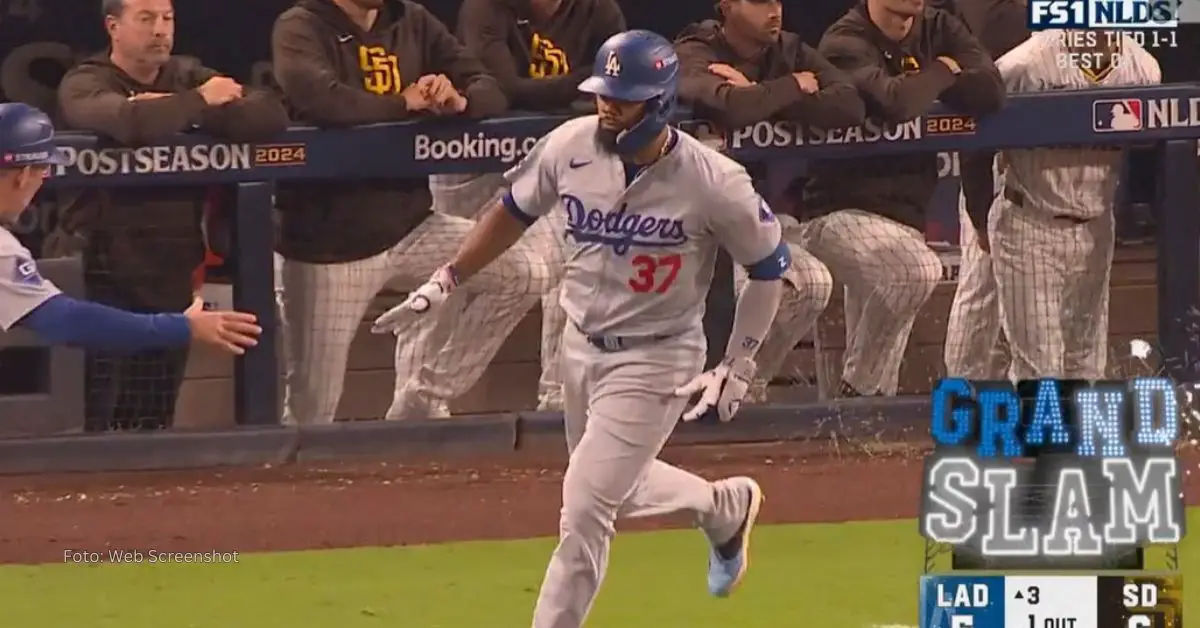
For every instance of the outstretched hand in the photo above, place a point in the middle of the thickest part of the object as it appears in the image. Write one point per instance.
(232, 332)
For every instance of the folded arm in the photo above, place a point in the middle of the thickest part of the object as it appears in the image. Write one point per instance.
(978, 89)
(892, 99)
(837, 104)
(88, 103)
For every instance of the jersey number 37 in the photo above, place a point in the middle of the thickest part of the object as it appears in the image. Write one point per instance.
(647, 270)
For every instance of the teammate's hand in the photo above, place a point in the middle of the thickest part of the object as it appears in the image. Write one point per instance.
(233, 332)
(807, 82)
(955, 68)
(220, 90)
(414, 97)
(426, 298)
(442, 95)
(723, 389)
(730, 74)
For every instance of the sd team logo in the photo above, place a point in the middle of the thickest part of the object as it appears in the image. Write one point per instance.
(1111, 116)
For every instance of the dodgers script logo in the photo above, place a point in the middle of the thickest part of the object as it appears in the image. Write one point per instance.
(620, 229)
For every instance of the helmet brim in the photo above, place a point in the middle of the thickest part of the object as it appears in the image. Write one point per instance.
(614, 89)
(57, 158)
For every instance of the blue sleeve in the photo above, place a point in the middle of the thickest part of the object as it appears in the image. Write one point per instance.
(62, 320)
(772, 266)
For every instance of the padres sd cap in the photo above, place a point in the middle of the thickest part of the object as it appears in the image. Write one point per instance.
(26, 137)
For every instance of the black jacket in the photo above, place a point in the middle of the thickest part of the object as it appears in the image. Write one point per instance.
(900, 81)
(336, 75)
(775, 95)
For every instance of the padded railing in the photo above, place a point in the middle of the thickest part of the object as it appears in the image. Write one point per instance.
(1169, 125)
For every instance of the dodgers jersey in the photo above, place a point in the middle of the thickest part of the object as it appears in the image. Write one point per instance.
(641, 244)
(22, 288)
(1080, 182)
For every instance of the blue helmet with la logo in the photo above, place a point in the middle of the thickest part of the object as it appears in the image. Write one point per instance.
(637, 66)
(26, 137)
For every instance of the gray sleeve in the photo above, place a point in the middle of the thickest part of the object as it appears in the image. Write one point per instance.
(742, 222)
(533, 182)
(22, 288)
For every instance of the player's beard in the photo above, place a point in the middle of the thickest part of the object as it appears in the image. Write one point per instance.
(607, 138)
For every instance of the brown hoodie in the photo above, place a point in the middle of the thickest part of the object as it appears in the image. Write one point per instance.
(336, 75)
(538, 66)
(147, 240)
(775, 94)
(900, 81)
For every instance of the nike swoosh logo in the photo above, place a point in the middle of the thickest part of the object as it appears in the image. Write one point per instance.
(579, 163)
(344, 38)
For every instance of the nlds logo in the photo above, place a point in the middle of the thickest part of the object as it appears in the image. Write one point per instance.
(1124, 14)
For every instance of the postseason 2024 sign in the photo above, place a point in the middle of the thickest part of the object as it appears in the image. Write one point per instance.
(1054, 469)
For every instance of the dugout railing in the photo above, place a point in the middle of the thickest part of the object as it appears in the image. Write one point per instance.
(1170, 126)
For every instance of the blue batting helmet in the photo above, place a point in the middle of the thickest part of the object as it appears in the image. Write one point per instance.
(637, 66)
(26, 137)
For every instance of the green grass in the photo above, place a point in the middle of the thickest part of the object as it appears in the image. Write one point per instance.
(849, 575)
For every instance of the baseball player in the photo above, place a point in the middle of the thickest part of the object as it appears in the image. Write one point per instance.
(973, 349)
(647, 207)
(369, 61)
(866, 218)
(539, 51)
(28, 301)
(1052, 229)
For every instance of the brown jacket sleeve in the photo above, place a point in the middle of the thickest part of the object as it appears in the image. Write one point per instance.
(448, 56)
(90, 103)
(978, 89)
(836, 104)
(258, 115)
(893, 99)
(482, 27)
(1000, 26)
(309, 80)
(732, 106)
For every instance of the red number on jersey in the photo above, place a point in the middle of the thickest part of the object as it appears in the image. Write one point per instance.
(645, 277)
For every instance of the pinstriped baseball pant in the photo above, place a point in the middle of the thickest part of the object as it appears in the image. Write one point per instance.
(322, 308)
(889, 273)
(808, 287)
(973, 349)
(464, 196)
(1053, 280)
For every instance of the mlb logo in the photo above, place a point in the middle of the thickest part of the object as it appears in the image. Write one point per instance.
(1117, 115)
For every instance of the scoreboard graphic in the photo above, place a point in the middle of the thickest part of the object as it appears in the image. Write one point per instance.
(1142, 601)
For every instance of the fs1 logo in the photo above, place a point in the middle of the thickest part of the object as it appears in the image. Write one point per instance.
(1055, 14)
(1102, 14)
